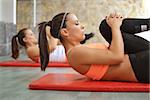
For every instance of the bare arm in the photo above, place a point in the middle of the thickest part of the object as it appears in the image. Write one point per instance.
(33, 53)
(117, 45)
(113, 55)
(52, 42)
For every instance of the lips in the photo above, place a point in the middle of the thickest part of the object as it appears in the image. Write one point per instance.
(83, 30)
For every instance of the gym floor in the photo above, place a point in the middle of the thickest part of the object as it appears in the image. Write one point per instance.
(14, 86)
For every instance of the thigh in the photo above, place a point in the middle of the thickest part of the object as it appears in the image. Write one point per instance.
(140, 65)
(134, 44)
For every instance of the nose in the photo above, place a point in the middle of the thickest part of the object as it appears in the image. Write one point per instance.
(82, 26)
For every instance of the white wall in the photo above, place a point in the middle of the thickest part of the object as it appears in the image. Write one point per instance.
(8, 11)
(146, 8)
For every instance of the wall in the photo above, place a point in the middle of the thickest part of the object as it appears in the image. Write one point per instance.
(24, 14)
(6, 11)
(89, 12)
(7, 26)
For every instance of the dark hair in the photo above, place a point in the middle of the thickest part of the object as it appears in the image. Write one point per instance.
(55, 24)
(14, 42)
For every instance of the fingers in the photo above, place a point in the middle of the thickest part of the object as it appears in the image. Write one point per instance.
(114, 15)
(114, 20)
(117, 15)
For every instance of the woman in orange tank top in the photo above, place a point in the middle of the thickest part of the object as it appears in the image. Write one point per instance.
(96, 61)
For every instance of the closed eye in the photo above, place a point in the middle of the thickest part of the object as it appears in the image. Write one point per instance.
(77, 23)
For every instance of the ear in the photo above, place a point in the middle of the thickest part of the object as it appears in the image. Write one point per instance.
(24, 39)
(64, 32)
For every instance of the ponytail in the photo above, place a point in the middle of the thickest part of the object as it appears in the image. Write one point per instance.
(55, 25)
(14, 48)
(43, 46)
(14, 43)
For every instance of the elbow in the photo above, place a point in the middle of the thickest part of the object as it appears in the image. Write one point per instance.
(52, 48)
(119, 59)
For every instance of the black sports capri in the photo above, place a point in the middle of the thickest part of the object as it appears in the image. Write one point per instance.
(136, 47)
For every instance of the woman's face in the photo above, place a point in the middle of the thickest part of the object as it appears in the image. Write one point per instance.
(30, 37)
(75, 28)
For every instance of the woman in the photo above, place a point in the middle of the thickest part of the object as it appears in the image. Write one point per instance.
(98, 61)
(27, 39)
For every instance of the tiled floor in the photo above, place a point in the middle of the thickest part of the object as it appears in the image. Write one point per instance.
(14, 86)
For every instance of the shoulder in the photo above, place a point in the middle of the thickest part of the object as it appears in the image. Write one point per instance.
(33, 51)
(78, 53)
(97, 45)
(73, 53)
(84, 48)
(88, 54)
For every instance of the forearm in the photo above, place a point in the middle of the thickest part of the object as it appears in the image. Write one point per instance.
(117, 46)
(52, 44)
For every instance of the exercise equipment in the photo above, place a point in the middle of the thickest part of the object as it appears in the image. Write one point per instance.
(29, 63)
(77, 82)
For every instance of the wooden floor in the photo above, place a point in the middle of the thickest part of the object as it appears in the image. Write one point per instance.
(14, 86)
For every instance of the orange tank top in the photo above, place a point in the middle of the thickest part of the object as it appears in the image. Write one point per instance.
(96, 72)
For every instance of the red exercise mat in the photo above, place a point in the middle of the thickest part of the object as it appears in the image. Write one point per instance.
(29, 63)
(75, 82)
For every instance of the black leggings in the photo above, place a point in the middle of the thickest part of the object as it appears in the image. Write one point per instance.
(136, 47)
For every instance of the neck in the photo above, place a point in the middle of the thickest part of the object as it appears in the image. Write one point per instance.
(68, 45)
(30, 45)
